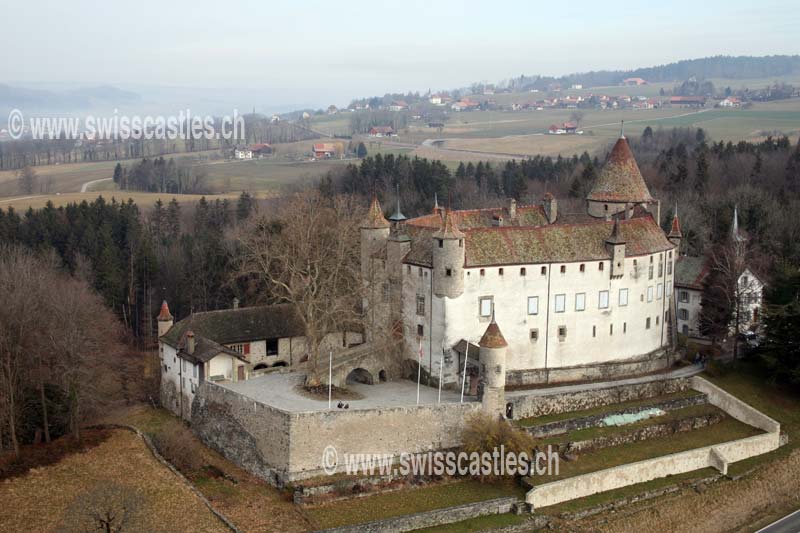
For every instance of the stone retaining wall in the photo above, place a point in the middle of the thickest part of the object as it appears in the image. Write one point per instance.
(437, 517)
(528, 406)
(653, 362)
(585, 422)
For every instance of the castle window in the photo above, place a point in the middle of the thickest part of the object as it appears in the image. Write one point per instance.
(194, 373)
(563, 269)
(623, 297)
(594, 331)
(580, 301)
(650, 272)
(500, 271)
(562, 332)
(611, 329)
(657, 319)
(670, 254)
(534, 335)
(683, 314)
(601, 266)
(624, 327)
(650, 293)
(421, 330)
(408, 269)
(669, 289)
(420, 272)
(659, 291)
(605, 207)
(583, 268)
(441, 243)
(460, 243)
(448, 272)
(560, 303)
(522, 271)
(485, 306)
(683, 296)
(421, 305)
(483, 272)
(660, 267)
(647, 323)
(602, 300)
(669, 266)
(544, 271)
(533, 305)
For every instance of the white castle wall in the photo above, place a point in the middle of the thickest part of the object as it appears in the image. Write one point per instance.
(589, 338)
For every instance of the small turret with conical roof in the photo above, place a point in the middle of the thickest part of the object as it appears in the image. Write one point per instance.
(493, 347)
(374, 232)
(448, 258)
(675, 234)
(165, 319)
(620, 182)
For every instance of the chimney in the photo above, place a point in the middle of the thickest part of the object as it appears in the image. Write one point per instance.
(512, 209)
(236, 303)
(550, 207)
(190, 343)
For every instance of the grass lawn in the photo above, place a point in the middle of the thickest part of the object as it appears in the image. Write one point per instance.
(482, 523)
(539, 420)
(389, 504)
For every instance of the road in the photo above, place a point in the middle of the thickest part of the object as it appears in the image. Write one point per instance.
(787, 524)
(85, 186)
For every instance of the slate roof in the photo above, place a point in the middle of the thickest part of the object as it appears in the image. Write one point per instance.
(228, 326)
(690, 272)
(204, 350)
(620, 180)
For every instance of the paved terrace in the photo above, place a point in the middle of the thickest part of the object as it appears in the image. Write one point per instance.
(280, 390)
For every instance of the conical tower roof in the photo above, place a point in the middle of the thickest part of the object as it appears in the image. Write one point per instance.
(493, 337)
(675, 230)
(449, 228)
(164, 315)
(620, 180)
(375, 218)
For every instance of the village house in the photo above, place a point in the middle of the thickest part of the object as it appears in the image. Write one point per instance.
(398, 105)
(260, 150)
(382, 131)
(465, 105)
(634, 81)
(730, 101)
(326, 150)
(563, 129)
(687, 101)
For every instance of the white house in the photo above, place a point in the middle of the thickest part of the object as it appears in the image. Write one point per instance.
(230, 345)
(568, 290)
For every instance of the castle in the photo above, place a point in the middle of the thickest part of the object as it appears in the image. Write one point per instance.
(577, 296)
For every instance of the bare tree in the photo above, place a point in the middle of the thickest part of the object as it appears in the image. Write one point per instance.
(27, 179)
(108, 507)
(307, 253)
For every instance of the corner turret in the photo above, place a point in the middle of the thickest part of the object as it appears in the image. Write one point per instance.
(448, 258)
(675, 235)
(374, 232)
(165, 319)
(493, 347)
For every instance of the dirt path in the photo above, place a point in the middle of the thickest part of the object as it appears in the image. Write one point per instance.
(85, 186)
(743, 505)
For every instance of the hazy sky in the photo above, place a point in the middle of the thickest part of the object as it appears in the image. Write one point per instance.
(330, 51)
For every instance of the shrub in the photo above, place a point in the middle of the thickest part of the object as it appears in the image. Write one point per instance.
(178, 446)
(486, 433)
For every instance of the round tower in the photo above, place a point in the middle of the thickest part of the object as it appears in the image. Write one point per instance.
(620, 183)
(492, 355)
(164, 319)
(374, 232)
(675, 235)
(448, 258)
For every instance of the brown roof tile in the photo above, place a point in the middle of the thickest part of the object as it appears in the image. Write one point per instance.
(620, 180)
(493, 337)
(375, 218)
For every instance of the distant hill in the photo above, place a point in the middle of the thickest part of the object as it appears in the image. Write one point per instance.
(66, 100)
(729, 67)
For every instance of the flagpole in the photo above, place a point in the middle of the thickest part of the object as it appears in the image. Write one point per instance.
(464, 378)
(419, 369)
(330, 379)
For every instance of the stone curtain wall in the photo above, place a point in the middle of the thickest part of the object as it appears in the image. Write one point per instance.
(383, 431)
(734, 406)
(253, 435)
(526, 406)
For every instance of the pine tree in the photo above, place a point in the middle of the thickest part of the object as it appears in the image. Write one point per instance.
(361, 150)
(701, 174)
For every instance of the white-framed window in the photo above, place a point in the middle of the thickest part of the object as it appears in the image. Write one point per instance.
(533, 305)
(669, 265)
(623, 297)
(602, 300)
(683, 296)
(560, 303)
(421, 305)
(650, 270)
(650, 293)
(486, 306)
(659, 291)
(194, 371)
(580, 301)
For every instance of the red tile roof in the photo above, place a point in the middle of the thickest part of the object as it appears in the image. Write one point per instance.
(620, 179)
(493, 337)
(375, 218)
(675, 231)
(164, 315)
(449, 228)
